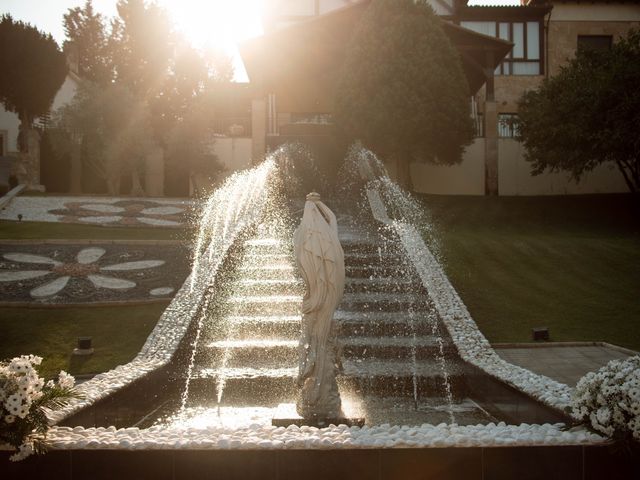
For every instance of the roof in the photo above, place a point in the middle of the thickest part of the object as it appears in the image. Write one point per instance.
(310, 47)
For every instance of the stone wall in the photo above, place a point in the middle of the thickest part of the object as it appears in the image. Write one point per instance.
(563, 36)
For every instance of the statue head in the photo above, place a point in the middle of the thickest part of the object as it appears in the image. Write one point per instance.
(313, 197)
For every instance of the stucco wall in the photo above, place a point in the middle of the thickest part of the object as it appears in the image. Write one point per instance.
(466, 178)
(65, 94)
(514, 176)
(233, 152)
(9, 124)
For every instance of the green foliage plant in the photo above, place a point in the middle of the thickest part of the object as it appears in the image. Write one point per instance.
(33, 70)
(25, 399)
(402, 91)
(587, 115)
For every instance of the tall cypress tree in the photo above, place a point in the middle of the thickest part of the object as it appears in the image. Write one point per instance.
(402, 90)
(33, 70)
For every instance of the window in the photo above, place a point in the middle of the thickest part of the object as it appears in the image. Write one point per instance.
(507, 125)
(601, 43)
(478, 125)
(525, 57)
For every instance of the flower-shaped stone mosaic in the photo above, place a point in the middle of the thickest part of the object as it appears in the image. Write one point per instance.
(64, 273)
(123, 212)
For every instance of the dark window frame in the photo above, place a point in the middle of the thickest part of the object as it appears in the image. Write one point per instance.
(508, 122)
(510, 59)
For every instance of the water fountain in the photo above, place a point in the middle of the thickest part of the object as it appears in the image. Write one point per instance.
(223, 358)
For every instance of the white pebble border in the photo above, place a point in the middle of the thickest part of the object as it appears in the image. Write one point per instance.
(258, 437)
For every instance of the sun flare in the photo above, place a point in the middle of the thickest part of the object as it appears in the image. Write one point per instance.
(218, 24)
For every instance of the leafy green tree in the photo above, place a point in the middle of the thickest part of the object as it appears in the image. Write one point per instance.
(402, 90)
(112, 130)
(33, 70)
(189, 146)
(588, 114)
(143, 45)
(88, 35)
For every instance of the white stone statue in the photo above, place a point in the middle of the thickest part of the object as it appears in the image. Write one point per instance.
(321, 261)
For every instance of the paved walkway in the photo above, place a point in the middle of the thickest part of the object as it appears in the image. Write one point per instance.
(564, 363)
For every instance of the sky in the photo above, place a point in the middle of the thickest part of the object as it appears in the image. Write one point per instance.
(219, 24)
(207, 23)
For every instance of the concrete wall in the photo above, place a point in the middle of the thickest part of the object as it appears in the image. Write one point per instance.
(515, 178)
(466, 178)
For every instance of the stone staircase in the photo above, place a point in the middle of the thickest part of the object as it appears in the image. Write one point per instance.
(394, 349)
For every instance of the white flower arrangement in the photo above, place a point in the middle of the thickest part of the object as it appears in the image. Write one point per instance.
(25, 399)
(609, 400)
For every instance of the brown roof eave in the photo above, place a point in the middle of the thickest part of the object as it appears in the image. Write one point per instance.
(468, 40)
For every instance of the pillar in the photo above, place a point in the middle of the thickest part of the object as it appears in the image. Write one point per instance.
(258, 128)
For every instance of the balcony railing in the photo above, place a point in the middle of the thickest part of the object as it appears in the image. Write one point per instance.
(232, 126)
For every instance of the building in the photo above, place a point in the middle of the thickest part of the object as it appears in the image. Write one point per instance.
(507, 50)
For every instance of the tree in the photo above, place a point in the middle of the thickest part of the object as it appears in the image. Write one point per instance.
(33, 70)
(142, 41)
(110, 129)
(402, 90)
(88, 36)
(588, 114)
(189, 147)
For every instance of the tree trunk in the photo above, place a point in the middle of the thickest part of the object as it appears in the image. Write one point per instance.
(75, 172)
(113, 186)
(136, 184)
(631, 179)
(403, 171)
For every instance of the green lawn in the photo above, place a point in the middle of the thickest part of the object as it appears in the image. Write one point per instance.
(568, 263)
(118, 334)
(50, 230)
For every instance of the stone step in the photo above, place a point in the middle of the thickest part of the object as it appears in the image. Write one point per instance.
(384, 285)
(267, 287)
(379, 271)
(293, 286)
(423, 379)
(385, 324)
(351, 302)
(384, 302)
(267, 272)
(266, 305)
(361, 248)
(267, 246)
(366, 324)
(268, 327)
(284, 351)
